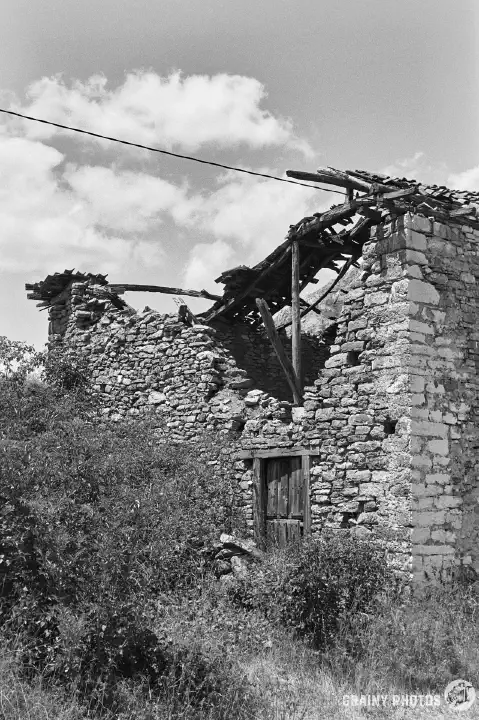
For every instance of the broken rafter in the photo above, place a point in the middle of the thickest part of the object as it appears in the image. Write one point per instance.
(339, 178)
(331, 217)
(247, 290)
(122, 287)
(279, 349)
(312, 306)
(395, 194)
(329, 178)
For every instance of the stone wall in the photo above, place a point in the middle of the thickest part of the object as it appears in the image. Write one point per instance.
(443, 273)
(390, 413)
(253, 353)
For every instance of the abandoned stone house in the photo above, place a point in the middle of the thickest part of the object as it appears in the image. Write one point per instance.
(360, 409)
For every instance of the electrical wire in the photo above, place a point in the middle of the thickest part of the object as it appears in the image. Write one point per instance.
(165, 152)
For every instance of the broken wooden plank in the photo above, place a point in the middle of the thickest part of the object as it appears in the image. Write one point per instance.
(359, 227)
(295, 314)
(259, 505)
(279, 349)
(306, 468)
(128, 287)
(328, 178)
(399, 193)
(332, 216)
(310, 307)
(247, 290)
(184, 313)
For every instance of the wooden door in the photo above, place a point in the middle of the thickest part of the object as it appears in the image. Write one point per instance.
(284, 500)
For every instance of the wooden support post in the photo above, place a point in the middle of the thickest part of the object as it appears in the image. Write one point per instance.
(279, 349)
(305, 464)
(296, 314)
(259, 505)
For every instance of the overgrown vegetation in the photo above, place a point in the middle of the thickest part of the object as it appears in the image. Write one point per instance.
(109, 607)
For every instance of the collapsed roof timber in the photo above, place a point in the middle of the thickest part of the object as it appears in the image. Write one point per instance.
(321, 246)
(252, 294)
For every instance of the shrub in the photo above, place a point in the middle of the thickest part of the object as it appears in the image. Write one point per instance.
(313, 585)
(96, 520)
(336, 577)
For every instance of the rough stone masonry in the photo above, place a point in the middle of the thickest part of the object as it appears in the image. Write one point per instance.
(390, 417)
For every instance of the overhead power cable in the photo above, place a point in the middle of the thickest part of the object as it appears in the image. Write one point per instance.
(165, 152)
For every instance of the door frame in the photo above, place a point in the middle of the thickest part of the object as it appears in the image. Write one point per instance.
(259, 487)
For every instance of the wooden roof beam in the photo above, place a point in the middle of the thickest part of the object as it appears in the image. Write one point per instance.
(339, 178)
(216, 312)
(126, 287)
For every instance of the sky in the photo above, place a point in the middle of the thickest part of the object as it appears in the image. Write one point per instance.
(381, 85)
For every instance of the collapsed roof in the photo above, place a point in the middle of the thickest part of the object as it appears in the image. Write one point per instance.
(369, 196)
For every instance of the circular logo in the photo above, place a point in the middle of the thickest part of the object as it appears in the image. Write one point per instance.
(459, 695)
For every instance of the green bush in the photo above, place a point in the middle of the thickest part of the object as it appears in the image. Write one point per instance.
(335, 576)
(313, 585)
(97, 520)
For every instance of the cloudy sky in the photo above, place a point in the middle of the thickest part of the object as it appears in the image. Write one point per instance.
(383, 85)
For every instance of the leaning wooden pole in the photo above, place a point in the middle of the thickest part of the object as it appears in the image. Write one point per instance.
(296, 314)
(279, 349)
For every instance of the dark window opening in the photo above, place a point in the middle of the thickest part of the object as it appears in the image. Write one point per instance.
(347, 516)
(352, 358)
(352, 515)
(390, 426)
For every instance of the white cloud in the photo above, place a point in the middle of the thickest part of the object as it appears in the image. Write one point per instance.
(253, 215)
(55, 214)
(124, 201)
(169, 112)
(418, 167)
(105, 219)
(206, 262)
(46, 226)
(467, 180)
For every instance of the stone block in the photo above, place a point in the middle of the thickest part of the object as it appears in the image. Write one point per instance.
(376, 298)
(400, 384)
(428, 428)
(423, 503)
(447, 501)
(428, 519)
(414, 257)
(439, 478)
(336, 361)
(240, 383)
(387, 361)
(422, 292)
(156, 398)
(416, 383)
(420, 490)
(324, 414)
(359, 324)
(418, 223)
(434, 550)
(357, 346)
(358, 475)
(420, 535)
(371, 489)
(438, 447)
(360, 419)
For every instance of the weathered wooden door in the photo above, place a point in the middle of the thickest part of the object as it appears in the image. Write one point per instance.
(284, 500)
